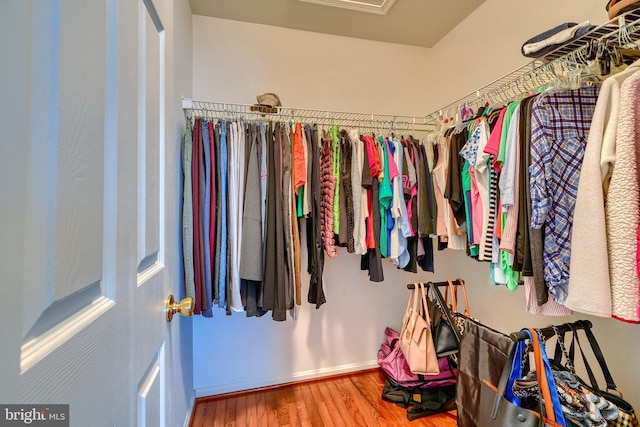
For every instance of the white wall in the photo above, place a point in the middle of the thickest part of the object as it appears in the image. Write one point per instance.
(234, 62)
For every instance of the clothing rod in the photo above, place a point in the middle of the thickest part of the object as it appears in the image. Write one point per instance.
(439, 284)
(549, 331)
(325, 117)
(623, 30)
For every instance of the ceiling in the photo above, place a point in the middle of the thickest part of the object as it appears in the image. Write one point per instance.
(411, 22)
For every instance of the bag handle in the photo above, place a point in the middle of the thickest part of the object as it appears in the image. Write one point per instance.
(425, 308)
(561, 350)
(454, 296)
(553, 409)
(464, 294)
(592, 378)
(414, 305)
(611, 385)
(411, 307)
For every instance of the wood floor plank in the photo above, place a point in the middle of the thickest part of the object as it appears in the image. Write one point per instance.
(351, 400)
(210, 414)
(301, 407)
(272, 409)
(281, 405)
(372, 387)
(337, 416)
(347, 407)
(325, 416)
(261, 408)
(230, 413)
(366, 399)
(350, 395)
(241, 411)
(199, 416)
(221, 409)
(289, 401)
(252, 413)
(310, 404)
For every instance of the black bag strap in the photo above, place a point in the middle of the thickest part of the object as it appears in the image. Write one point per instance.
(561, 350)
(592, 378)
(598, 355)
(611, 385)
(558, 352)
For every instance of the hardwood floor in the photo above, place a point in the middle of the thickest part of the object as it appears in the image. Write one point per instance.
(349, 400)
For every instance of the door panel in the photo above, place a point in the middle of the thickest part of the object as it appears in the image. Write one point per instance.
(86, 222)
(150, 134)
(150, 394)
(64, 233)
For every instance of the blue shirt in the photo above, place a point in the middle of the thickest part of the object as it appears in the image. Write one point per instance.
(222, 277)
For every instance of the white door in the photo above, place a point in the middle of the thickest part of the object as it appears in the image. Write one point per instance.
(82, 218)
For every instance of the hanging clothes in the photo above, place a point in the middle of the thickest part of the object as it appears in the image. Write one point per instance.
(251, 255)
(201, 303)
(508, 197)
(523, 261)
(315, 252)
(287, 217)
(235, 176)
(327, 185)
(425, 260)
(187, 212)
(623, 206)
(589, 281)
(244, 227)
(334, 142)
(359, 193)
(205, 213)
(560, 127)
(385, 196)
(453, 186)
(346, 195)
(372, 260)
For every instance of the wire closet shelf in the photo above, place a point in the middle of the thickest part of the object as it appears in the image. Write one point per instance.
(363, 121)
(623, 31)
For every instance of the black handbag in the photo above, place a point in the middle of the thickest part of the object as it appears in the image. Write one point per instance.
(445, 333)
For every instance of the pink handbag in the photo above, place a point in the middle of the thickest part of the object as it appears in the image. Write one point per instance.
(416, 342)
(394, 365)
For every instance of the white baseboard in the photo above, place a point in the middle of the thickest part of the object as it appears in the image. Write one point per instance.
(190, 408)
(298, 376)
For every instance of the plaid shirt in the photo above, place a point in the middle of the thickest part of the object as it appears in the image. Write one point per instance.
(560, 123)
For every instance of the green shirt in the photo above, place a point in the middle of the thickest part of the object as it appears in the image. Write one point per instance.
(336, 174)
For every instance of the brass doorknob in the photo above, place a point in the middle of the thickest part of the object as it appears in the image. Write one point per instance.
(184, 307)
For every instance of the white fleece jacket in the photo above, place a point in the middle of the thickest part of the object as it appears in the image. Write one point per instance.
(589, 283)
(623, 205)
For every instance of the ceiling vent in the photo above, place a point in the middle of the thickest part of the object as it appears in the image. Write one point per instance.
(380, 7)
